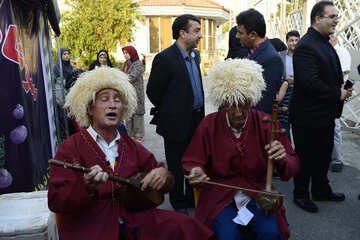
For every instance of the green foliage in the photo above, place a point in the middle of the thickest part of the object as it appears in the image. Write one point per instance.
(44, 186)
(226, 27)
(90, 26)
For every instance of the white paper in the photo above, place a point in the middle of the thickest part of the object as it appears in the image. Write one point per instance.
(243, 217)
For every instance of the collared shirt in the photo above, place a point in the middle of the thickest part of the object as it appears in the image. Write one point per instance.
(110, 150)
(325, 40)
(289, 65)
(236, 132)
(241, 199)
(345, 60)
(252, 50)
(194, 77)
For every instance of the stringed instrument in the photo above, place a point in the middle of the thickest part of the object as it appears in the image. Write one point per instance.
(271, 203)
(270, 199)
(130, 192)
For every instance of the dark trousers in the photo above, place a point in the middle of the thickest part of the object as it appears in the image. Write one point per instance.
(180, 198)
(225, 228)
(314, 147)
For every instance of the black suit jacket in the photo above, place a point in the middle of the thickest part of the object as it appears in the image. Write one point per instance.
(316, 98)
(170, 91)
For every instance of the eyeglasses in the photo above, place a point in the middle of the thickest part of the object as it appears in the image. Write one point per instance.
(332, 17)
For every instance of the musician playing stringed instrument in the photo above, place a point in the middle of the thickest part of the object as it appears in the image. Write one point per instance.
(90, 205)
(232, 146)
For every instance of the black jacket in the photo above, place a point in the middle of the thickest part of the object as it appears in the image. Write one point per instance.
(170, 91)
(316, 98)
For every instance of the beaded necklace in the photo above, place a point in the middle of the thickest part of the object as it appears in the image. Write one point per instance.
(107, 164)
(239, 143)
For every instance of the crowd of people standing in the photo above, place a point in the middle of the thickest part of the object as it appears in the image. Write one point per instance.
(231, 145)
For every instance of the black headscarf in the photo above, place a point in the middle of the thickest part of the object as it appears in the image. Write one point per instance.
(278, 44)
(236, 50)
(67, 68)
(96, 63)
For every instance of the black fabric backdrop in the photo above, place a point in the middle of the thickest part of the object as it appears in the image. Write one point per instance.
(24, 125)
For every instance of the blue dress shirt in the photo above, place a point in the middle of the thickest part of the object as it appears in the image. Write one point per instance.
(194, 77)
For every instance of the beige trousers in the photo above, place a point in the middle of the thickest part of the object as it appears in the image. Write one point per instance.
(135, 126)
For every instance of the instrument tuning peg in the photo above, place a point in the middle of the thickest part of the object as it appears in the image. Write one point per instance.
(266, 119)
(281, 131)
(283, 110)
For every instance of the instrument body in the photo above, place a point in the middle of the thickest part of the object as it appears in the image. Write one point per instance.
(130, 190)
(136, 200)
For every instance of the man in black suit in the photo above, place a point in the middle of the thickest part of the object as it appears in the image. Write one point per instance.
(317, 100)
(251, 30)
(175, 88)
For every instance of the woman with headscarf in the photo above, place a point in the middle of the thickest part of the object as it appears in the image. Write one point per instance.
(135, 69)
(67, 68)
(102, 59)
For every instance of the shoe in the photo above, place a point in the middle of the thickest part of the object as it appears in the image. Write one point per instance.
(306, 204)
(337, 167)
(333, 197)
(139, 139)
(183, 211)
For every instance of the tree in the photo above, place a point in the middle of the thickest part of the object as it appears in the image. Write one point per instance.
(89, 26)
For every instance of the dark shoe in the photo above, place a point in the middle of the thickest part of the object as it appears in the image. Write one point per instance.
(306, 204)
(333, 197)
(183, 211)
(337, 167)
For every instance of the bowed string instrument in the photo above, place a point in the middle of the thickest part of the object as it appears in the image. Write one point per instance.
(130, 192)
(270, 199)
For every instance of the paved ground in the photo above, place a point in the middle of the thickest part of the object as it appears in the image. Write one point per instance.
(334, 221)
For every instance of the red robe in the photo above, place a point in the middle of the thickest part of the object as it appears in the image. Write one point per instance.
(98, 218)
(242, 162)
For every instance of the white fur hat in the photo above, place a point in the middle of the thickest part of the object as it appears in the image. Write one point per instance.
(236, 81)
(91, 82)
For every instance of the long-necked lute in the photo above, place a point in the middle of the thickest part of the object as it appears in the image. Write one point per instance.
(130, 192)
(267, 203)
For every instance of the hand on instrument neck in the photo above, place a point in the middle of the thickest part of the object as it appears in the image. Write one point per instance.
(158, 179)
(95, 179)
(277, 153)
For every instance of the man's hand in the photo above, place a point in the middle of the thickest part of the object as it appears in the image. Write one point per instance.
(345, 93)
(95, 179)
(290, 79)
(158, 179)
(277, 153)
(196, 174)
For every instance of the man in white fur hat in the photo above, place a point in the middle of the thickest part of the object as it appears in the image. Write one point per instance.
(232, 146)
(90, 206)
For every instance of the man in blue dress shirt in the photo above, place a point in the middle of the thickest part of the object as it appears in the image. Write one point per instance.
(175, 89)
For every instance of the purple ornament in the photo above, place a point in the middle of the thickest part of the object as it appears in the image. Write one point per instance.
(5, 178)
(19, 134)
(18, 112)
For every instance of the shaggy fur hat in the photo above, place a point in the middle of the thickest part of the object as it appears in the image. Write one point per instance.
(235, 81)
(89, 83)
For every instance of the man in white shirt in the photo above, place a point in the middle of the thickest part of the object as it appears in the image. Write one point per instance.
(345, 62)
(91, 207)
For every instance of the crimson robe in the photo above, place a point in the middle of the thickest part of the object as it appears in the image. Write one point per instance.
(242, 162)
(83, 217)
